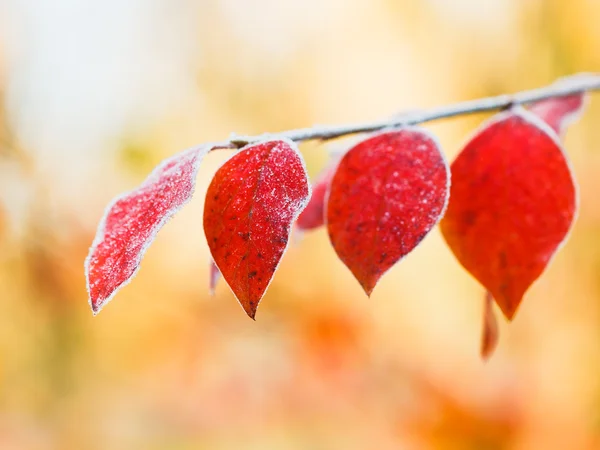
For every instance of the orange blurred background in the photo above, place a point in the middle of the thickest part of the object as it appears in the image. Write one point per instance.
(94, 94)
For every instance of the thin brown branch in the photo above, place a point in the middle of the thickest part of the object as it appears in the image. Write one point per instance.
(566, 86)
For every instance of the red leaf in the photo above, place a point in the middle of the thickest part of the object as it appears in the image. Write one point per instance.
(558, 112)
(213, 278)
(512, 203)
(313, 215)
(491, 333)
(250, 206)
(131, 222)
(386, 195)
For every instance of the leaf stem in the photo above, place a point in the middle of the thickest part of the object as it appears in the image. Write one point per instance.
(563, 87)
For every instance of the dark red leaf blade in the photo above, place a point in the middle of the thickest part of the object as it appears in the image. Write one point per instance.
(313, 215)
(558, 112)
(131, 222)
(512, 204)
(491, 333)
(387, 193)
(250, 206)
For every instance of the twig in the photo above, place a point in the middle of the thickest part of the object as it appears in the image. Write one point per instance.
(566, 86)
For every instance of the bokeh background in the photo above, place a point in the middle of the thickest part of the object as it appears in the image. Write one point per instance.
(94, 94)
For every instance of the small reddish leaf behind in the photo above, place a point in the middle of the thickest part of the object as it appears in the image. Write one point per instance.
(491, 333)
(250, 206)
(512, 203)
(313, 215)
(558, 112)
(214, 276)
(131, 222)
(387, 193)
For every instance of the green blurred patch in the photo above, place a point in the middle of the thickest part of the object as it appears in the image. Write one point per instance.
(137, 157)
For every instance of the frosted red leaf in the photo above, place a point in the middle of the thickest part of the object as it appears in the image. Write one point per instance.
(558, 112)
(250, 206)
(512, 203)
(131, 222)
(490, 333)
(214, 277)
(313, 215)
(387, 193)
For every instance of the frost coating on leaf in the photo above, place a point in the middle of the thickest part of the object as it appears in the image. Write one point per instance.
(559, 112)
(131, 222)
(250, 206)
(512, 203)
(387, 193)
(313, 215)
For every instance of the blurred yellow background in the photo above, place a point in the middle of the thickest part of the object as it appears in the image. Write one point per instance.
(94, 94)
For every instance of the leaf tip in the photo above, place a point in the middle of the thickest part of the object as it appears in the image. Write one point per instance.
(508, 306)
(368, 284)
(96, 308)
(249, 306)
(251, 313)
